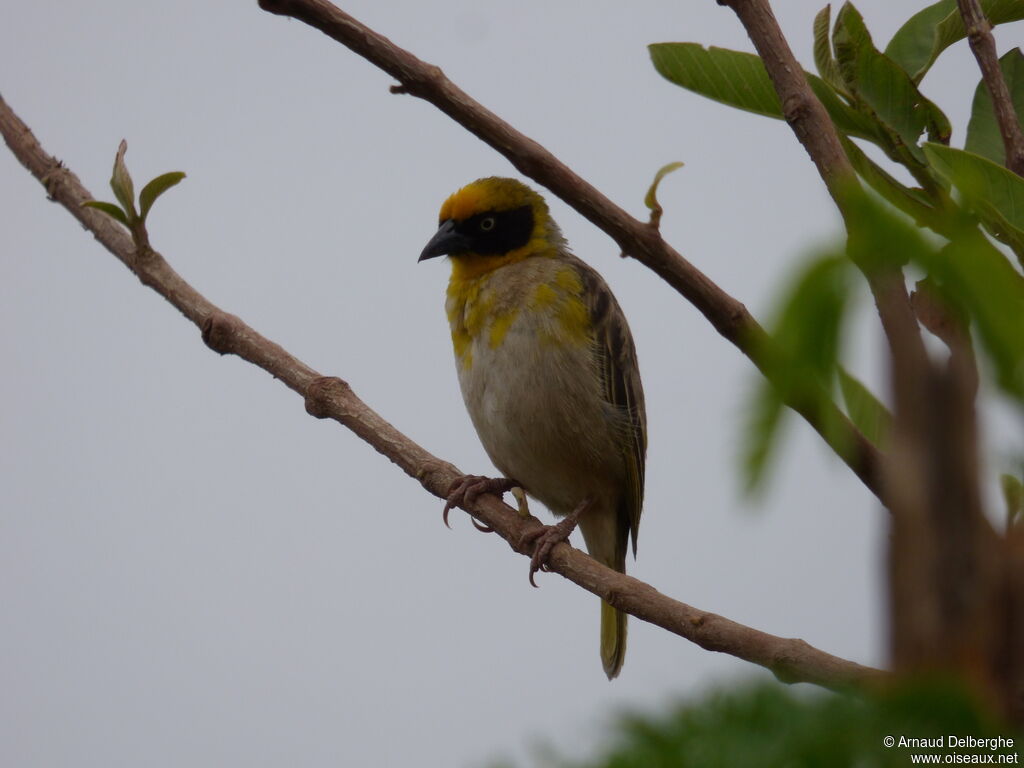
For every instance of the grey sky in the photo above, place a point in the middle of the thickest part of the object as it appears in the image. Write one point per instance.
(194, 572)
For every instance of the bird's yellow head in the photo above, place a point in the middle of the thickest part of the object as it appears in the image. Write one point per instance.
(492, 222)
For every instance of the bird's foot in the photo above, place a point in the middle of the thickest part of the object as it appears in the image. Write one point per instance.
(546, 537)
(465, 490)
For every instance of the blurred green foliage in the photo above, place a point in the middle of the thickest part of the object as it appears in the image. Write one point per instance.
(965, 199)
(770, 726)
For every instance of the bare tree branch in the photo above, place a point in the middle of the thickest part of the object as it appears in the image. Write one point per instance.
(791, 660)
(637, 239)
(983, 45)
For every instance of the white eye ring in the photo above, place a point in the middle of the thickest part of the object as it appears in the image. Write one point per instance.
(487, 224)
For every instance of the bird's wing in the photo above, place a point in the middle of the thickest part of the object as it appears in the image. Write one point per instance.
(620, 374)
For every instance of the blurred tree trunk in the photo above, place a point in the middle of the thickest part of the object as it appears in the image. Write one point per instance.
(956, 585)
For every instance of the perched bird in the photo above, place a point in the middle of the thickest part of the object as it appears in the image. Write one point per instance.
(549, 374)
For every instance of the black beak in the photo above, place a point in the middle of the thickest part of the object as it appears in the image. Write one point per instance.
(446, 240)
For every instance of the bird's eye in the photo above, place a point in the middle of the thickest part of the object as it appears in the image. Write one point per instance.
(487, 224)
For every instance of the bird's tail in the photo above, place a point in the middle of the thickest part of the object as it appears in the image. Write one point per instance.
(613, 639)
(606, 536)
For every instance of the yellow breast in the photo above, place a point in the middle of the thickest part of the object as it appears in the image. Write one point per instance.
(539, 296)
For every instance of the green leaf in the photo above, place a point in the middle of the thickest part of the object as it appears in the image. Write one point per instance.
(912, 45)
(983, 282)
(731, 77)
(810, 320)
(121, 182)
(155, 188)
(760, 435)
(911, 201)
(651, 199)
(983, 136)
(740, 80)
(823, 58)
(880, 86)
(879, 239)
(807, 334)
(110, 209)
(1013, 495)
(971, 273)
(917, 44)
(866, 411)
(995, 193)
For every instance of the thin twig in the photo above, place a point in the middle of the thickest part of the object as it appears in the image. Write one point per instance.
(636, 238)
(983, 45)
(792, 660)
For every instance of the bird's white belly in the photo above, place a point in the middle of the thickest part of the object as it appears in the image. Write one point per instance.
(537, 407)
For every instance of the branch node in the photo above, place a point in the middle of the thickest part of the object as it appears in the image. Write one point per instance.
(975, 32)
(796, 108)
(737, 316)
(786, 662)
(400, 88)
(50, 180)
(321, 393)
(436, 476)
(219, 332)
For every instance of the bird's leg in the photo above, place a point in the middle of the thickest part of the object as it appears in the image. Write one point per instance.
(521, 503)
(549, 535)
(465, 490)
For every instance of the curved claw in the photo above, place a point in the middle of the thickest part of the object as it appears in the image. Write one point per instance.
(480, 526)
(548, 536)
(464, 491)
(541, 550)
(457, 493)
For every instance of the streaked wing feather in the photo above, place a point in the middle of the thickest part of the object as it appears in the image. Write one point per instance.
(620, 373)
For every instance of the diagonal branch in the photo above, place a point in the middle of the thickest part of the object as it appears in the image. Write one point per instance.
(636, 238)
(983, 45)
(817, 133)
(792, 660)
(944, 564)
(803, 111)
